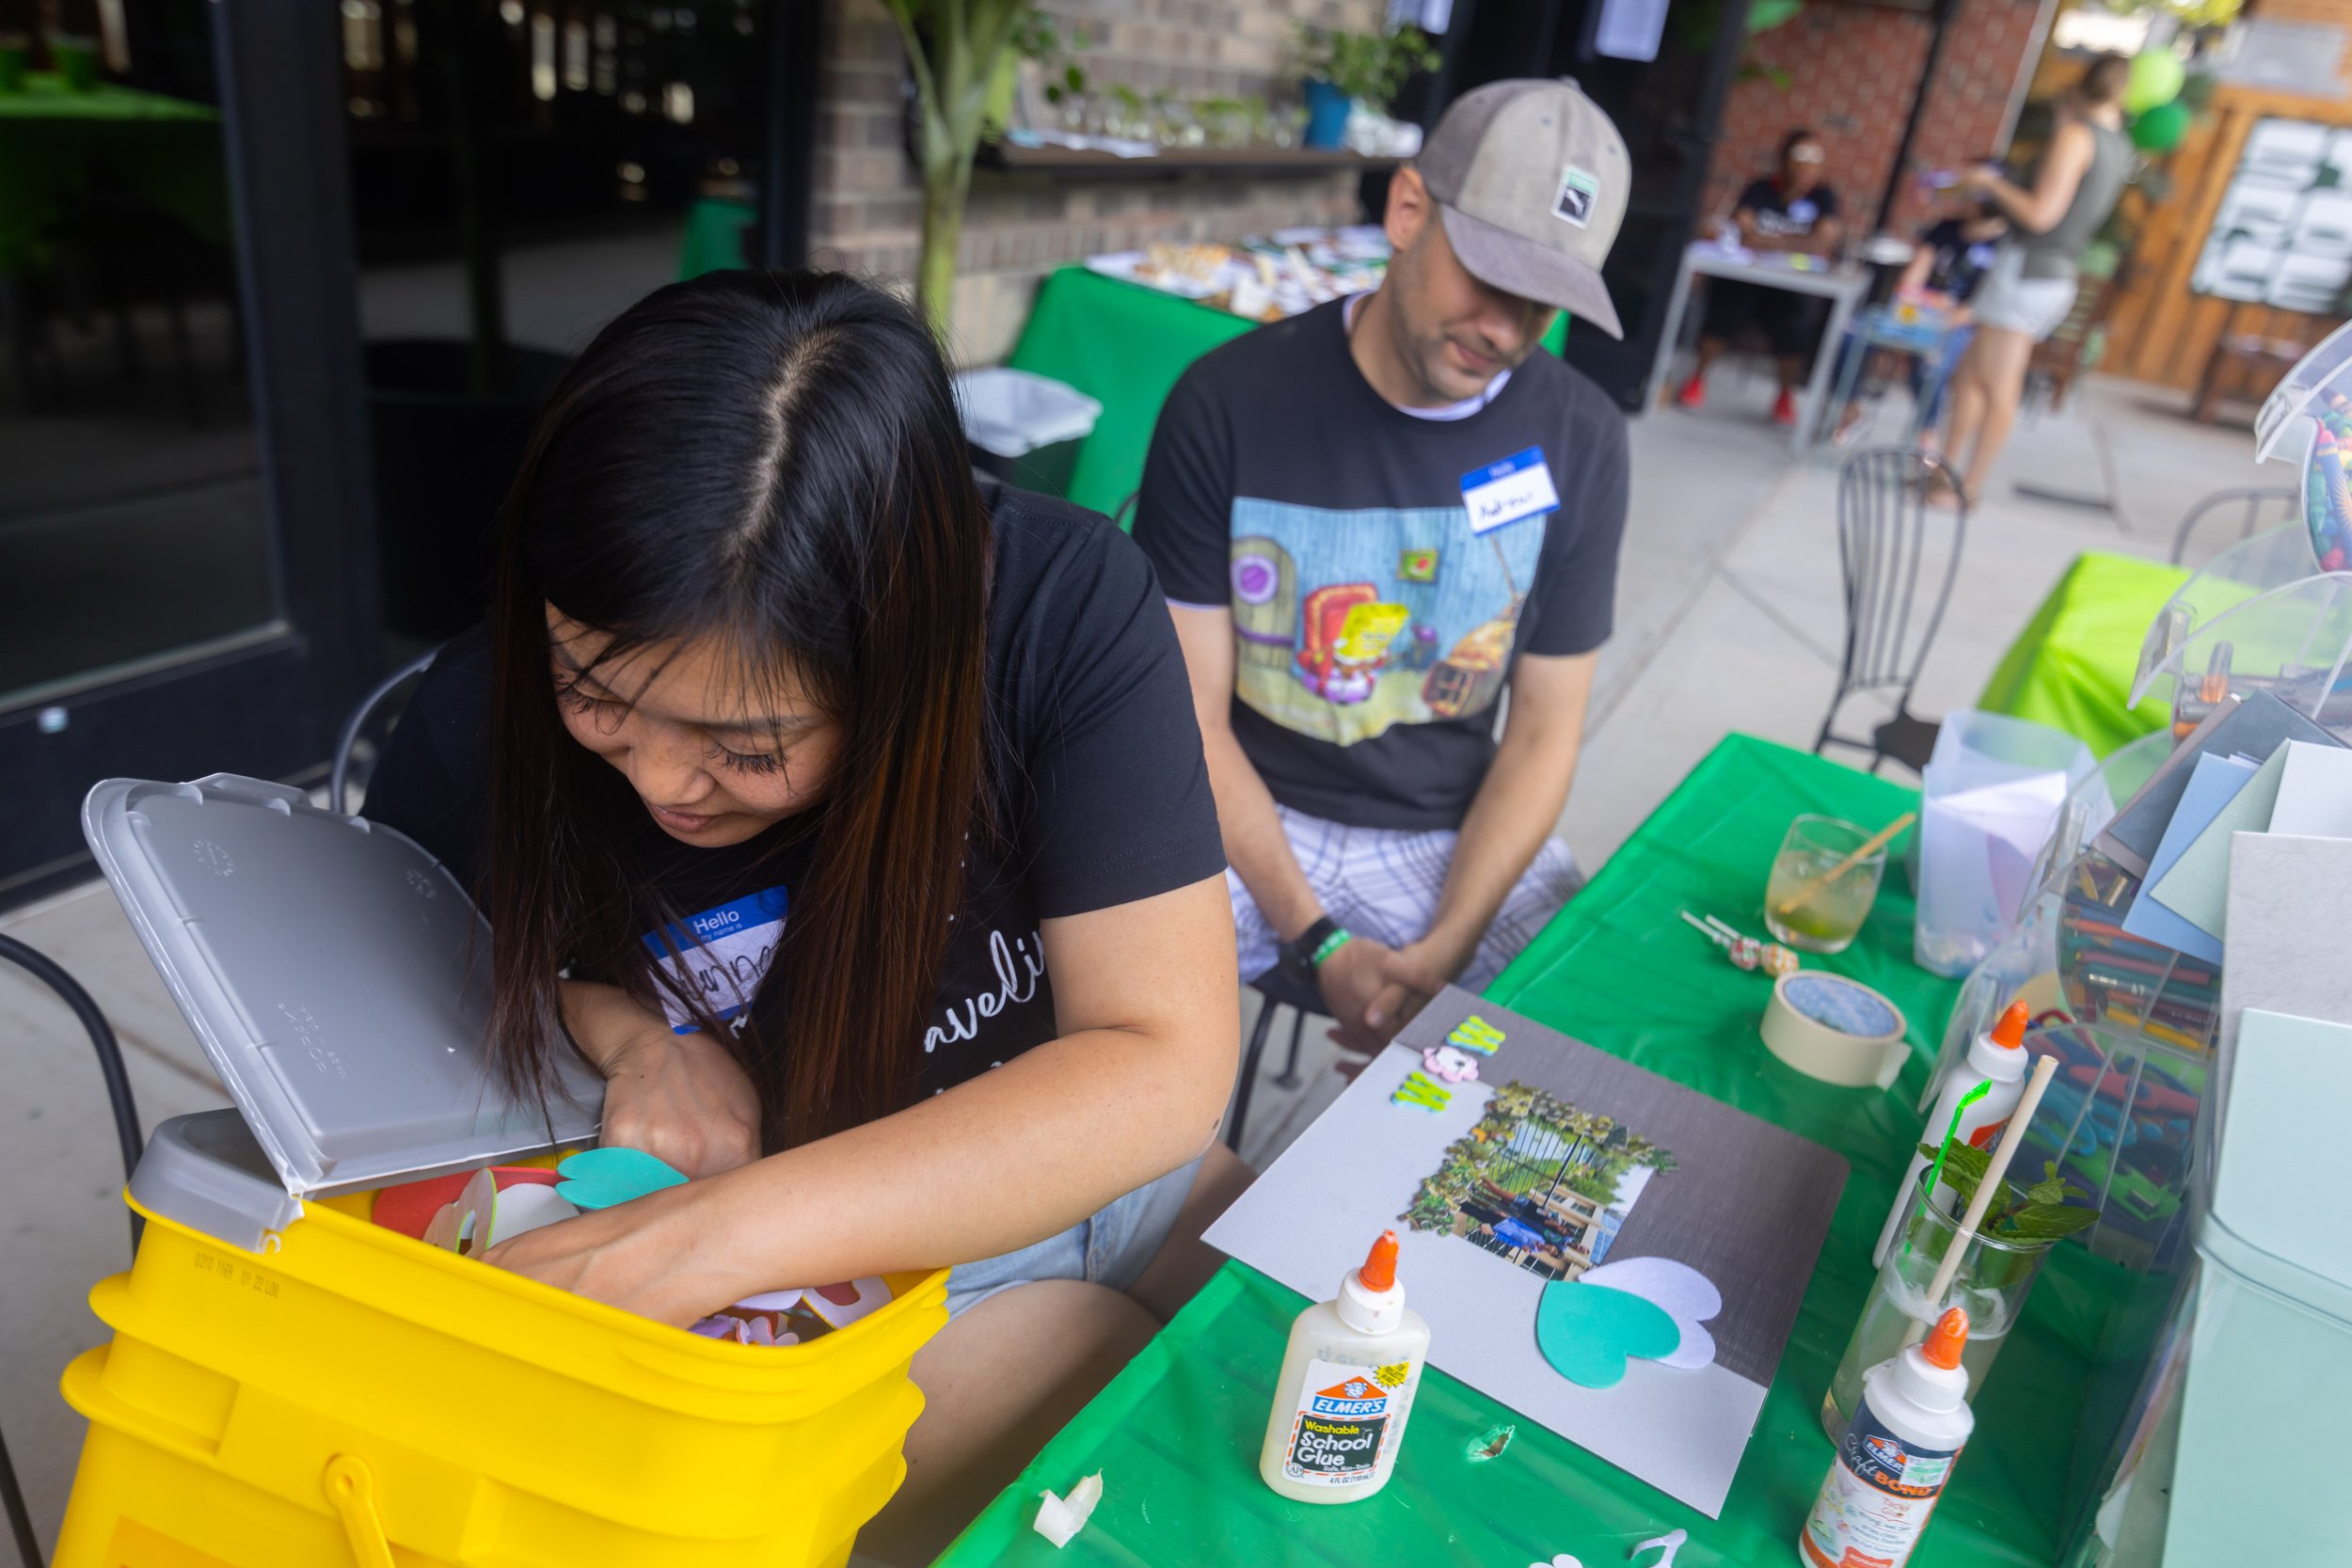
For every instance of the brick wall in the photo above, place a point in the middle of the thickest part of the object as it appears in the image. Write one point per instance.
(868, 211)
(1853, 70)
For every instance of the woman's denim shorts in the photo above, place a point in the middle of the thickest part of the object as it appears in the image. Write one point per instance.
(1111, 1248)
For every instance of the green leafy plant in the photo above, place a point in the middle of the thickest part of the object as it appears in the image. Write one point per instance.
(1368, 66)
(954, 48)
(2039, 1213)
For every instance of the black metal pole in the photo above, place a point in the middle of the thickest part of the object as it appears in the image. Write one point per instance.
(786, 176)
(1901, 170)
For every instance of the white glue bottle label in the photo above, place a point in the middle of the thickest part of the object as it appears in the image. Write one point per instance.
(1997, 1060)
(1348, 1379)
(1898, 1451)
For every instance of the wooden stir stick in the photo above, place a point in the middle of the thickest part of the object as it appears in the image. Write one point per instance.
(2012, 1140)
(1871, 846)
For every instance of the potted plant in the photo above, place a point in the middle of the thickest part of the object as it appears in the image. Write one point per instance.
(1345, 69)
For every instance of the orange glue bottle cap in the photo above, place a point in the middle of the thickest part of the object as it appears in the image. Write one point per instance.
(1948, 1340)
(2010, 1033)
(1379, 1270)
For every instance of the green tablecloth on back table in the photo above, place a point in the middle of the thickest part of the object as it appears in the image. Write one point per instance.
(1176, 1434)
(2071, 667)
(167, 149)
(1124, 345)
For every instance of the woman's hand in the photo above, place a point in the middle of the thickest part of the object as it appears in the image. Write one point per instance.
(683, 1099)
(674, 1255)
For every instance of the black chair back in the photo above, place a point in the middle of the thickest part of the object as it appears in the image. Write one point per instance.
(2247, 506)
(1899, 555)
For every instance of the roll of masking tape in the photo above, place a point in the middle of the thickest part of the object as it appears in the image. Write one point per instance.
(1835, 1029)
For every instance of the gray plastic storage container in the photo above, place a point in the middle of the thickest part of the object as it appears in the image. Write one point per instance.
(338, 979)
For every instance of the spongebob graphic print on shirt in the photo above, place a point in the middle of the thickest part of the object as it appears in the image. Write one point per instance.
(1347, 623)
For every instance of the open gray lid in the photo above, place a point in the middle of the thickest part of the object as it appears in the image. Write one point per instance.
(334, 973)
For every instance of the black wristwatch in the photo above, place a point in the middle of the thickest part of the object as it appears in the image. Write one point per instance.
(1315, 944)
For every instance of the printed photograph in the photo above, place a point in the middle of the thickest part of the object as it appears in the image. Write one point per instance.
(1539, 1182)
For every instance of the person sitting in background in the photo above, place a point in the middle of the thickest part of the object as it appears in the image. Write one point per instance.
(1943, 274)
(2030, 288)
(1372, 518)
(1794, 211)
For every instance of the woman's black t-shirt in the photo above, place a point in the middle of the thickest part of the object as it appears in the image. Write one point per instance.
(1101, 793)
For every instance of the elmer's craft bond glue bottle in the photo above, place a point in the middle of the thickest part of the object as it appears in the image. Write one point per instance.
(1898, 1451)
(1999, 1059)
(1347, 1384)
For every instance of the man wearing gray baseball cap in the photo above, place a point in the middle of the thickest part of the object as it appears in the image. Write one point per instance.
(1371, 519)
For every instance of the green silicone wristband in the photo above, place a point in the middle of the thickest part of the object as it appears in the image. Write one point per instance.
(1331, 944)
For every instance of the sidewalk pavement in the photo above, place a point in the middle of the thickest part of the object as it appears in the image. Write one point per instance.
(1729, 616)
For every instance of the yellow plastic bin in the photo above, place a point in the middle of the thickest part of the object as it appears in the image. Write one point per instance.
(290, 1383)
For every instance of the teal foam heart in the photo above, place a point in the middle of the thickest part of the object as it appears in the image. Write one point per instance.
(1587, 1332)
(601, 1178)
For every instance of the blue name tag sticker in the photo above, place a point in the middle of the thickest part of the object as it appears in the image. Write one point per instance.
(720, 955)
(1503, 493)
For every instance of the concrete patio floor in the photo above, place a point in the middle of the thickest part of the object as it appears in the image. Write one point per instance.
(1729, 617)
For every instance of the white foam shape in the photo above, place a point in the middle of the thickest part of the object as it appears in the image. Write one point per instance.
(476, 1204)
(1058, 1519)
(447, 1229)
(1667, 1544)
(1679, 1290)
(525, 1207)
(872, 1294)
(1562, 1561)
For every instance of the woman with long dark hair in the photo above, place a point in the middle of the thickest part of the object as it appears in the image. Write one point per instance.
(857, 829)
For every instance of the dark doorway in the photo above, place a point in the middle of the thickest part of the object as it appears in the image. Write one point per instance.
(1667, 109)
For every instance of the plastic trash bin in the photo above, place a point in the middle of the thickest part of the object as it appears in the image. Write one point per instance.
(1990, 797)
(1024, 428)
(290, 1383)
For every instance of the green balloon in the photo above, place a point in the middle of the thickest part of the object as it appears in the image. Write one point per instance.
(2160, 129)
(2156, 78)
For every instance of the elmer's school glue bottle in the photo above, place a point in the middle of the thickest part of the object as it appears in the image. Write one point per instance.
(1999, 1059)
(1347, 1386)
(1897, 1453)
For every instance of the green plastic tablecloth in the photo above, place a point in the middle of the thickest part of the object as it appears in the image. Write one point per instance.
(2071, 667)
(1124, 345)
(713, 242)
(1176, 1434)
(166, 148)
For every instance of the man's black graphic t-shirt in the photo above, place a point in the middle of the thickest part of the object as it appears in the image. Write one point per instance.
(1102, 796)
(1374, 621)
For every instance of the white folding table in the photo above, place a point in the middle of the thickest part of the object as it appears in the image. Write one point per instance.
(1843, 287)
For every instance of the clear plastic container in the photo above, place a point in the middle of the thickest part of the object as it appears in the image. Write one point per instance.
(1991, 1284)
(1993, 792)
(1823, 912)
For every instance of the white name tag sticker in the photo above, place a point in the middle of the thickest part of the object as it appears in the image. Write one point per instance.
(1503, 493)
(720, 955)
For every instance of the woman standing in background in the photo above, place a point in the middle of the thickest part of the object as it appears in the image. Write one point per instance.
(2031, 286)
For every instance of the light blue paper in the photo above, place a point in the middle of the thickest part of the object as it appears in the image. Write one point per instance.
(2197, 887)
(2213, 785)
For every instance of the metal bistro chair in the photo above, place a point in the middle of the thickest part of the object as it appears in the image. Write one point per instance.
(2253, 499)
(1280, 988)
(1889, 542)
(339, 777)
